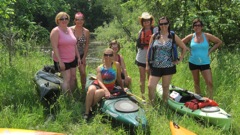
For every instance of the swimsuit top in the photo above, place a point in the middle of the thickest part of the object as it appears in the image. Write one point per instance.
(162, 54)
(81, 42)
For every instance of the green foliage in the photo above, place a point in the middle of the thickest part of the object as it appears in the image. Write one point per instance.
(220, 17)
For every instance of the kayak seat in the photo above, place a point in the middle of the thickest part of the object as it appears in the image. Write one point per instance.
(210, 109)
(126, 106)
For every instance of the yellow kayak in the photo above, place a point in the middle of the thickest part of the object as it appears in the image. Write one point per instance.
(178, 130)
(13, 131)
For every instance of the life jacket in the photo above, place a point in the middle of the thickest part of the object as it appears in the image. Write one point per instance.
(143, 43)
(195, 104)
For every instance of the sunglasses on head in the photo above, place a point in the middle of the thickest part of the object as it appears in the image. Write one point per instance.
(108, 55)
(166, 23)
(62, 19)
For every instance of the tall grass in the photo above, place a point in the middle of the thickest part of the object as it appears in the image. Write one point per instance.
(20, 106)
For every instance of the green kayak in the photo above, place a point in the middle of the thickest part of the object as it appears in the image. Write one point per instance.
(212, 114)
(122, 108)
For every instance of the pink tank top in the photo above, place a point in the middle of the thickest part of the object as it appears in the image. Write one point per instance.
(66, 46)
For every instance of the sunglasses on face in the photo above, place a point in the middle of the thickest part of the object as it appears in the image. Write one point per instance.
(197, 25)
(146, 20)
(166, 23)
(62, 19)
(108, 55)
(79, 19)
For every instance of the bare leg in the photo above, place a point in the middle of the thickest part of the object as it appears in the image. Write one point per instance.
(195, 75)
(66, 81)
(82, 70)
(166, 80)
(73, 79)
(142, 72)
(89, 98)
(207, 75)
(152, 83)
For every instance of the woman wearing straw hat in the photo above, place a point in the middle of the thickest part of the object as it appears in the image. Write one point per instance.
(144, 35)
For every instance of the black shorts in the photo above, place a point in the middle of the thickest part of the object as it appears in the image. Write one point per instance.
(199, 67)
(140, 64)
(159, 72)
(81, 56)
(72, 64)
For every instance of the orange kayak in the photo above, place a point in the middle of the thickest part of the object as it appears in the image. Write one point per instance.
(13, 131)
(178, 130)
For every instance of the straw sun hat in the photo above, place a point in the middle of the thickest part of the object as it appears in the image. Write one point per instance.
(146, 15)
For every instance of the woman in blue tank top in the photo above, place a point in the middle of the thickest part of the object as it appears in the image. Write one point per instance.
(199, 60)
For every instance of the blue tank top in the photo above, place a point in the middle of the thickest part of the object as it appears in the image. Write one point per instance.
(199, 51)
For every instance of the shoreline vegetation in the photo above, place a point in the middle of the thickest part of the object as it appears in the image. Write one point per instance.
(20, 106)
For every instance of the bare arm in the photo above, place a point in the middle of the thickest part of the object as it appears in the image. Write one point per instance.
(119, 79)
(187, 39)
(54, 35)
(217, 42)
(87, 33)
(123, 66)
(150, 42)
(183, 47)
(99, 78)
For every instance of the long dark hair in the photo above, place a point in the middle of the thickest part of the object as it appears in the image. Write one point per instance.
(159, 29)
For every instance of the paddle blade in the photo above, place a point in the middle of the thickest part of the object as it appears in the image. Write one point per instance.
(178, 130)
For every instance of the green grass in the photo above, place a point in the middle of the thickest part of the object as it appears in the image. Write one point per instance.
(20, 106)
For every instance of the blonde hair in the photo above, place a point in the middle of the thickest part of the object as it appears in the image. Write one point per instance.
(107, 49)
(59, 15)
(115, 42)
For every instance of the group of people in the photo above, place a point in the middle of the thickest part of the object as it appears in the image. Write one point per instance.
(70, 48)
(163, 66)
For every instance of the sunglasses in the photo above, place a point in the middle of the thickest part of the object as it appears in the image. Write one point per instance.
(108, 55)
(62, 19)
(146, 20)
(166, 23)
(197, 25)
(79, 19)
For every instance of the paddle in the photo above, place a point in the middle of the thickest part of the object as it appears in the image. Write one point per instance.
(140, 99)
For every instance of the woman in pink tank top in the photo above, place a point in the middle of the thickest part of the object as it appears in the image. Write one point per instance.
(65, 54)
